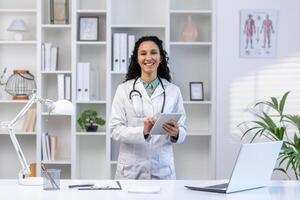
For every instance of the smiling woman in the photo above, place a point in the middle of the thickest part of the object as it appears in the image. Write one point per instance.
(146, 92)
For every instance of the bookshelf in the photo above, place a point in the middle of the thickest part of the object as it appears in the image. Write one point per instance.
(82, 154)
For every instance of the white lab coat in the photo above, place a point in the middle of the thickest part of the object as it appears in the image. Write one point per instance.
(139, 159)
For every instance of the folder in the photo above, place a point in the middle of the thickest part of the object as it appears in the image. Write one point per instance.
(54, 58)
(86, 81)
(99, 185)
(60, 86)
(123, 52)
(68, 87)
(79, 83)
(131, 43)
(116, 52)
(48, 56)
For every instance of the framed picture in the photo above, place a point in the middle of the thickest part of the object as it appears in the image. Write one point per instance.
(88, 28)
(258, 33)
(196, 91)
(59, 11)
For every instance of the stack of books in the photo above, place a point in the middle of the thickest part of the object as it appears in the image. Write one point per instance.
(49, 57)
(49, 147)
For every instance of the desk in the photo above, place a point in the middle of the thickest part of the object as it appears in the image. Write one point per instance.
(171, 190)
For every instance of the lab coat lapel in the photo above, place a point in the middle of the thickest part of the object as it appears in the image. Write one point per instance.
(158, 91)
(140, 87)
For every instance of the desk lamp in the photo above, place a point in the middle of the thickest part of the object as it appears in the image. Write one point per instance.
(62, 107)
(18, 26)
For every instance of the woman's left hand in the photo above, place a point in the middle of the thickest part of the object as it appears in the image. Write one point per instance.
(171, 128)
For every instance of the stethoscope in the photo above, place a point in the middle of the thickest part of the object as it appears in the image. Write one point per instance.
(137, 100)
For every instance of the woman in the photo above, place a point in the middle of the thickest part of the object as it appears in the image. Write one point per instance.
(146, 92)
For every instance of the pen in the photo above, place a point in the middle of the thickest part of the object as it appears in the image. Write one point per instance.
(83, 185)
(49, 177)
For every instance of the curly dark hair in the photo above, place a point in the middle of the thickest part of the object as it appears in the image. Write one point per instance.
(134, 69)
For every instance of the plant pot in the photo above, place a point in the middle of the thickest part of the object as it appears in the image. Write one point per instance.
(91, 128)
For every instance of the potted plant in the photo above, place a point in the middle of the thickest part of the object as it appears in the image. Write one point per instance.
(274, 124)
(89, 120)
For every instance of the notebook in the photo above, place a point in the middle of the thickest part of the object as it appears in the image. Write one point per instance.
(253, 168)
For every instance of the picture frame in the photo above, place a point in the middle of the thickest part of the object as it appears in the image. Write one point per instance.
(88, 28)
(258, 33)
(59, 11)
(196, 91)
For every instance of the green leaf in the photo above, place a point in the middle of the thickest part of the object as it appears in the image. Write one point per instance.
(283, 171)
(282, 102)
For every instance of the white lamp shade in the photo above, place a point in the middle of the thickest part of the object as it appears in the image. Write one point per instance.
(17, 25)
(62, 107)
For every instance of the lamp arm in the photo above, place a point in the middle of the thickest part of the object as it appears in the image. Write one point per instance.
(10, 127)
(21, 114)
(25, 167)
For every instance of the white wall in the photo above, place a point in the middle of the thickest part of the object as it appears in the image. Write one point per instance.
(242, 81)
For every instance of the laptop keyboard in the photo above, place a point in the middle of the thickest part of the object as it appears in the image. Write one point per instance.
(220, 186)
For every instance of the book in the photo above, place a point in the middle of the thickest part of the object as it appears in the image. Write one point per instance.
(47, 145)
(53, 147)
(43, 57)
(29, 121)
(44, 147)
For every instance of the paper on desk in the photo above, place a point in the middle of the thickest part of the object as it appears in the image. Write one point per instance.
(106, 184)
(144, 189)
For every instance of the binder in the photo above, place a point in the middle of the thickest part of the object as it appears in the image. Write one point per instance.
(68, 87)
(43, 57)
(116, 52)
(86, 81)
(123, 54)
(54, 58)
(60, 86)
(131, 43)
(94, 82)
(47, 56)
(79, 81)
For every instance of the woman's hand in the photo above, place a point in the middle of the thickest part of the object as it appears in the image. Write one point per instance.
(171, 128)
(148, 124)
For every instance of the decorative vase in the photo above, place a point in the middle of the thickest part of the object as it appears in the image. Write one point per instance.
(189, 32)
(91, 128)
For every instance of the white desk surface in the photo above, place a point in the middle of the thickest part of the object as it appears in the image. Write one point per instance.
(277, 190)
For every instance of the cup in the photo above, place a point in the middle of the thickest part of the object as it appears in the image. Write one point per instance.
(51, 179)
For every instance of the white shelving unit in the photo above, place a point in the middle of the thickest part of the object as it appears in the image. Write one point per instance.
(16, 55)
(85, 155)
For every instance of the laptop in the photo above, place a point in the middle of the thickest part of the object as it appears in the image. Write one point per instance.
(253, 168)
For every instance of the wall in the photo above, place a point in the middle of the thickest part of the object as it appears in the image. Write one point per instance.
(242, 81)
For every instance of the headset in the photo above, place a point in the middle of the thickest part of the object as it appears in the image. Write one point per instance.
(138, 102)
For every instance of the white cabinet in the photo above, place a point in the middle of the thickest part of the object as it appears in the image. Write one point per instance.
(86, 155)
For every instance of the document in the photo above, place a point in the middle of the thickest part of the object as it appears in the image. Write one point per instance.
(144, 189)
(162, 119)
(99, 185)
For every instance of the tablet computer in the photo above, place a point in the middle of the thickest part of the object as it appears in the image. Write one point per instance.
(164, 118)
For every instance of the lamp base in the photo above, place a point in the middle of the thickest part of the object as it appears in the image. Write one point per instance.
(31, 181)
(18, 36)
